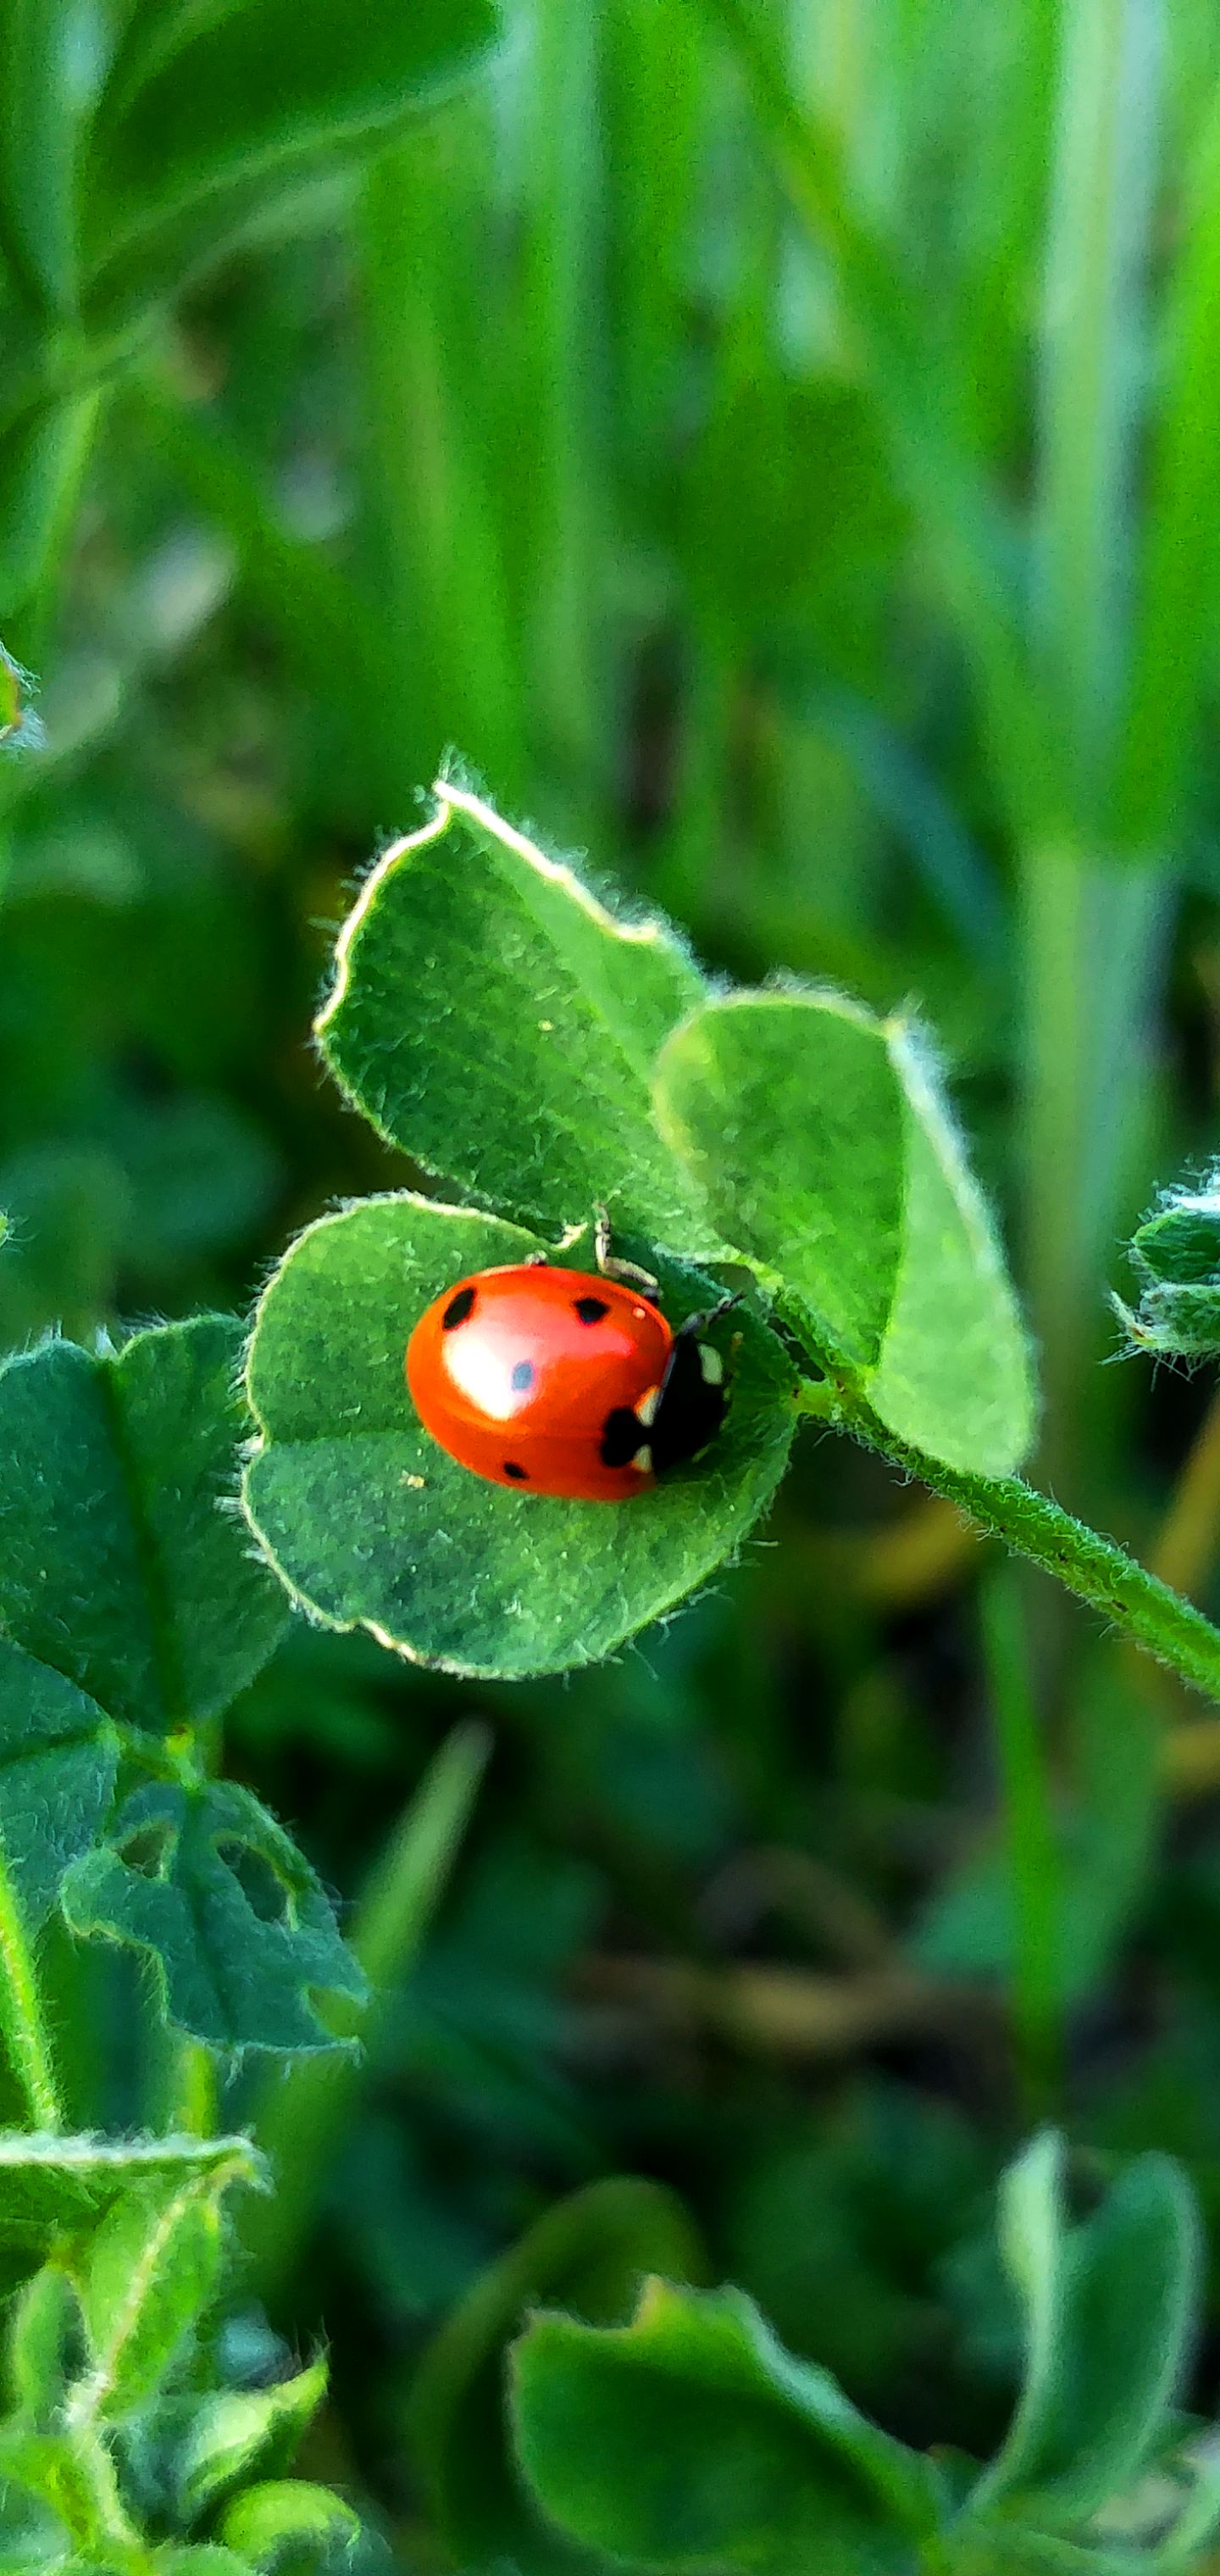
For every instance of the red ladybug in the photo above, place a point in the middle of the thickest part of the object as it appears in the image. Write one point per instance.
(564, 1382)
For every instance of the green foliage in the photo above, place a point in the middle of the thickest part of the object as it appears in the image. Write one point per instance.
(117, 1564)
(1108, 2312)
(202, 119)
(201, 1879)
(690, 2438)
(779, 447)
(1175, 1254)
(356, 1506)
(589, 2253)
(827, 1154)
(799, 1133)
(476, 975)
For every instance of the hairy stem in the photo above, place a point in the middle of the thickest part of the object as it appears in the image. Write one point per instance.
(1096, 1569)
(21, 2015)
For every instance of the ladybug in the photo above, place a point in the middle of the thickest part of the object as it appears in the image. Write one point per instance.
(565, 1382)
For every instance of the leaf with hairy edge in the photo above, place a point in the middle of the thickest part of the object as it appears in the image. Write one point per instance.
(588, 2254)
(242, 1936)
(691, 2440)
(373, 1525)
(52, 2187)
(58, 1760)
(789, 1110)
(119, 1563)
(826, 1152)
(208, 114)
(287, 2520)
(1108, 2309)
(234, 2430)
(149, 2272)
(495, 1021)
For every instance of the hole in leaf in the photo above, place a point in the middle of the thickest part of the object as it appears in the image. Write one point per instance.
(150, 1849)
(266, 1893)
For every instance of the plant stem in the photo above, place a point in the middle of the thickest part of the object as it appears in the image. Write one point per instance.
(1096, 1569)
(1035, 1877)
(21, 2016)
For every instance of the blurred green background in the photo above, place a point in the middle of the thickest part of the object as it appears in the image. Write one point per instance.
(778, 452)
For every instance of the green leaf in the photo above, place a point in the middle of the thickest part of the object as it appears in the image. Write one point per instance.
(37, 139)
(492, 1019)
(827, 1155)
(789, 1110)
(53, 2187)
(372, 1525)
(691, 2439)
(42, 457)
(118, 1564)
(286, 2523)
(47, 2465)
(58, 1760)
(233, 2430)
(150, 2271)
(1108, 2314)
(588, 2254)
(209, 113)
(43, 2322)
(242, 1938)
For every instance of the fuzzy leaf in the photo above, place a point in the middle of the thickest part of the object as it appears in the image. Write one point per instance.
(118, 1565)
(1108, 2311)
(53, 2187)
(208, 113)
(589, 2254)
(43, 2324)
(58, 1759)
(372, 1524)
(150, 2272)
(490, 1017)
(828, 1157)
(789, 1110)
(243, 1939)
(690, 2439)
(287, 2521)
(47, 2466)
(233, 2430)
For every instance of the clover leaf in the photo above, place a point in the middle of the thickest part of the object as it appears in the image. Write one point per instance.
(492, 1018)
(372, 1525)
(828, 1155)
(119, 1565)
(242, 1937)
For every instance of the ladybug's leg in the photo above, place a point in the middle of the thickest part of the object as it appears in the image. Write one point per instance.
(608, 1266)
(699, 1323)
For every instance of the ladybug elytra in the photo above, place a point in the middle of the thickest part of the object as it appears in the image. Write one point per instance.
(564, 1382)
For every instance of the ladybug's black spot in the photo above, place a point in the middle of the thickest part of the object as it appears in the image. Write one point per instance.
(458, 1309)
(520, 1475)
(522, 1376)
(622, 1435)
(590, 1309)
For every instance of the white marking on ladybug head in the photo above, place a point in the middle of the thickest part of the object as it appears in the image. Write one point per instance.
(642, 1461)
(711, 1364)
(646, 1409)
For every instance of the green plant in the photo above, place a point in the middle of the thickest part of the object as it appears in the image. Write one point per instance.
(787, 1137)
